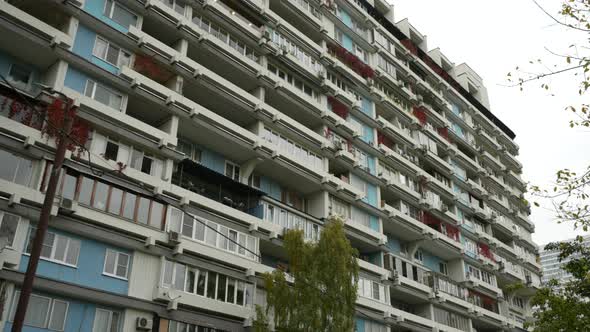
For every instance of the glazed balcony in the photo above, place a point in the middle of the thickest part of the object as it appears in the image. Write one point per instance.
(407, 274)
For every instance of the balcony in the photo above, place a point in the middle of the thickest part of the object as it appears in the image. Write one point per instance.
(492, 160)
(288, 218)
(44, 19)
(407, 274)
(403, 160)
(452, 290)
(350, 64)
(208, 183)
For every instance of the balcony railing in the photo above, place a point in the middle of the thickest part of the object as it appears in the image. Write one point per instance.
(289, 218)
(206, 182)
(405, 268)
(446, 285)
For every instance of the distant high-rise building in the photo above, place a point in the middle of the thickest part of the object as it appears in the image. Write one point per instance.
(216, 125)
(552, 267)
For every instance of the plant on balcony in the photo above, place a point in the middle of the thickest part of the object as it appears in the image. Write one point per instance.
(147, 66)
(323, 294)
(338, 107)
(351, 60)
(420, 114)
(20, 112)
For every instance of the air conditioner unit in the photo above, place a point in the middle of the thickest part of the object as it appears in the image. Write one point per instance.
(144, 323)
(173, 237)
(68, 205)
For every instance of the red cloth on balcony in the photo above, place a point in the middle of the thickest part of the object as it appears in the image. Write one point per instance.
(409, 44)
(444, 132)
(382, 139)
(420, 114)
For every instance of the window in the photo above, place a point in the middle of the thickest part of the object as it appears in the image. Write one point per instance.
(110, 53)
(174, 326)
(116, 264)
(103, 95)
(8, 227)
(178, 7)
(442, 268)
(117, 201)
(56, 248)
(111, 151)
(107, 321)
(419, 256)
(340, 208)
(214, 234)
(232, 170)
(43, 312)
(371, 289)
(20, 76)
(191, 151)
(254, 180)
(120, 14)
(15, 168)
(206, 283)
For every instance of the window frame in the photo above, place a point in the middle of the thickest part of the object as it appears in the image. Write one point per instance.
(233, 171)
(9, 77)
(52, 258)
(117, 255)
(2, 215)
(110, 319)
(48, 314)
(108, 43)
(111, 11)
(92, 96)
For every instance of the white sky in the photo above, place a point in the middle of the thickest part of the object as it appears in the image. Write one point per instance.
(494, 37)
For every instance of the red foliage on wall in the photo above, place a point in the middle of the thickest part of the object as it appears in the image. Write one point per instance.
(485, 251)
(337, 107)
(420, 114)
(147, 66)
(22, 113)
(452, 232)
(80, 132)
(352, 61)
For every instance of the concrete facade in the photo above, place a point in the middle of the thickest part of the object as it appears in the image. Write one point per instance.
(218, 119)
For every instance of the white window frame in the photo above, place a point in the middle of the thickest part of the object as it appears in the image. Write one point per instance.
(2, 215)
(121, 52)
(115, 3)
(49, 312)
(93, 93)
(419, 256)
(117, 254)
(234, 167)
(54, 246)
(110, 319)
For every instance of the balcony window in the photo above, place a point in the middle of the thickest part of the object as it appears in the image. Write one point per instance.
(293, 149)
(107, 321)
(114, 200)
(299, 53)
(294, 81)
(56, 248)
(20, 76)
(190, 150)
(110, 53)
(386, 65)
(225, 37)
(15, 168)
(104, 95)
(116, 264)
(120, 14)
(43, 312)
(174, 4)
(210, 284)
(452, 319)
(290, 220)
(232, 170)
(8, 227)
(213, 234)
(340, 208)
(370, 289)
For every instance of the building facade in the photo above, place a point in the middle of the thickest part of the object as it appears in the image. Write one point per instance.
(552, 267)
(212, 126)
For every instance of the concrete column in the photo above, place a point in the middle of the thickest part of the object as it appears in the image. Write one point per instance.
(260, 93)
(72, 27)
(176, 84)
(247, 168)
(181, 46)
(170, 126)
(55, 75)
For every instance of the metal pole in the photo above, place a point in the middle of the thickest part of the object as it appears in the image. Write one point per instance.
(27, 286)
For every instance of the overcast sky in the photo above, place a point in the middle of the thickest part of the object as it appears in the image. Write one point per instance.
(494, 37)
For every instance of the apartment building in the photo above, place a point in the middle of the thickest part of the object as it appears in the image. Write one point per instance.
(210, 120)
(552, 267)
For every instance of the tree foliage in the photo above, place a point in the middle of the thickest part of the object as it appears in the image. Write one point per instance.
(323, 293)
(565, 306)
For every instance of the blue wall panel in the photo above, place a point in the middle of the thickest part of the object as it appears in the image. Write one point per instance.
(83, 46)
(96, 9)
(393, 244)
(360, 325)
(374, 222)
(372, 194)
(367, 106)
(345, 18)
(431, 261)
(89, 270)
(347, 43)
(75, 80)
(372, 166)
